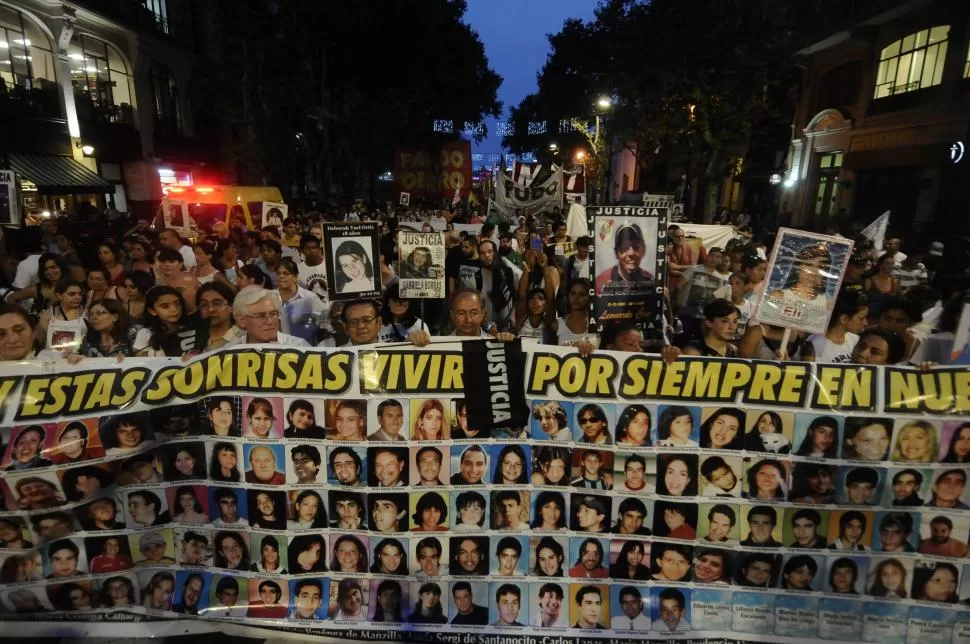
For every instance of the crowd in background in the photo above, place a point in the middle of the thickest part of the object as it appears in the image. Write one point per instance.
(131, 289)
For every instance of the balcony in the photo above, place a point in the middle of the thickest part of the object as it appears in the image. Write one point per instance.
(130, 12)
(34, 122)
(111, 129)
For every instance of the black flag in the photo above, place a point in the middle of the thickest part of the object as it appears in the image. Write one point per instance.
(495, 384)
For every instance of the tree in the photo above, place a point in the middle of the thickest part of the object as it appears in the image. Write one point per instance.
(320, 93)
(689, 79)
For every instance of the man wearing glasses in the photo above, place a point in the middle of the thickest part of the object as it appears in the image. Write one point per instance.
(363, 322)
(257, 312)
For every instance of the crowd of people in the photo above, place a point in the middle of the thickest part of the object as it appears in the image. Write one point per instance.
(149, 292)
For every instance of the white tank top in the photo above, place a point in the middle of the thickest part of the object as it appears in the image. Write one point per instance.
(569, 339)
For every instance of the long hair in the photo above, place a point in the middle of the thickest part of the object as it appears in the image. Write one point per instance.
(808, 253)
(951, 455)
(690, 460)
(668, 416)
(194, 449)
(429, 405)
(517, 451)
(631, 412)
(355, 250)
(278, 522)
(361, 551)
(781, 490)
(154, 323)
(738, 439)
(805, 449)
(393, 292)
(620, 568)
(183, 490)
(932, 442)
(379, 614)
(220, 560)
(215, 470)
(877, 588)
(402, 567)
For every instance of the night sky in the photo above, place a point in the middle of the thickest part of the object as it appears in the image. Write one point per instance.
(514, 33)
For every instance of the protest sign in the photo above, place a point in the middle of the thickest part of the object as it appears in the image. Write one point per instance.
(175, 214)
(346, 494)
(9, 203)
(422, 264)
(352, 255)
(544, 192)
(274, 214)
(802, 278)
(627, 260)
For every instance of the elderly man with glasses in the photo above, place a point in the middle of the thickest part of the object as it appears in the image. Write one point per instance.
(257, 312)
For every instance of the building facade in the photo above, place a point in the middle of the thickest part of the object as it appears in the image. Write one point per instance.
(96, 96)
(883, 113)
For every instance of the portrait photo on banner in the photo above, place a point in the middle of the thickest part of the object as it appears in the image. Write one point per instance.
(353, 260)
(804, 274)
(274, 214)
(626, 265)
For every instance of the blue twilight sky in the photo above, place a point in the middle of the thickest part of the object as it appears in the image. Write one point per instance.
(514, 33)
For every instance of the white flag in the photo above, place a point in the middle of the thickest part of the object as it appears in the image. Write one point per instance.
(876, 231)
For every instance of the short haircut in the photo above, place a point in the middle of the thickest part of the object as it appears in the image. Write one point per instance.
(384, 404)
(587, 590)
(227, 583)
(914, 473)
(461, 585)
(337, 451)
(944, 520)
(552, 588)
(807, 513)
(764, 511)
(310, 451)
(672, 594)
(799, 561)
(726, 510)
(508, 542)
(631, 504)
(508, 589)
(862, 475)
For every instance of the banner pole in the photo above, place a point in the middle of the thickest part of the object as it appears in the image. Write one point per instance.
(783, 349)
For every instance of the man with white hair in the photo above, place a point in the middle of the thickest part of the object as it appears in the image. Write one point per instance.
(257, 312)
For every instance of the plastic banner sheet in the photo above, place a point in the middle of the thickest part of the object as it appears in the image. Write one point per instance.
(346, 494)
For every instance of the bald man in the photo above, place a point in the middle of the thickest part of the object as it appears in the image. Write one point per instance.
(262, 467)
(467, 313)
(187, 285)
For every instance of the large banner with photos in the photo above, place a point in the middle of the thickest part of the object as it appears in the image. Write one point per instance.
(351, 494)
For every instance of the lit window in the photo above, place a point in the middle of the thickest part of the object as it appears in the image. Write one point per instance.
(99, 72)
(26, 58)
(912, 63)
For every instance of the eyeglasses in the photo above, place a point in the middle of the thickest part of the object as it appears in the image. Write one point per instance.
(263, 317)
(364, 321)
(215, 304)
(98, 313)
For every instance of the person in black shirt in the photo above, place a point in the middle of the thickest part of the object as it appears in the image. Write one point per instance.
(719, 326)
(469, 613)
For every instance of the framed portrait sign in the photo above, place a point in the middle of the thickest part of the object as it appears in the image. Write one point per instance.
(353, 259)
(627, 264)
(422, 264)
(64, 336)
(803, 277)
(274, 214)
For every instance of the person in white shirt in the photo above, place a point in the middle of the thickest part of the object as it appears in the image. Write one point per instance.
(633, 618)
(849, 317)
(171, 239)
(672, 616)
(257, 312)
(550, 614)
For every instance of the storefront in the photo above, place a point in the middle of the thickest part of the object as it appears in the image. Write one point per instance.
(49, 185)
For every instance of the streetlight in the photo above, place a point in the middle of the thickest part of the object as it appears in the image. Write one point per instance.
(553, 147)
(604, 103)
(580, 155)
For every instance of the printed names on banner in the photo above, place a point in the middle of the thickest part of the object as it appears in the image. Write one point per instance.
(349, 493)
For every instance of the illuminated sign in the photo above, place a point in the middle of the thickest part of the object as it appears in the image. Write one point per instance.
(957, 150)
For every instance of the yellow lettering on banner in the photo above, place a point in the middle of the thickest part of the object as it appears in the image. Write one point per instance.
(253, 371)
(701, 379)
(846, 388)
(939, 391)
(219, 372)
(777, 384)
(573, 375)
(311, 376)
(7, 385)
(673, 379)
(47, 397)
(407, 372)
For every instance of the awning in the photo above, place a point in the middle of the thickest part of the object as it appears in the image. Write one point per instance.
(57, 174)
